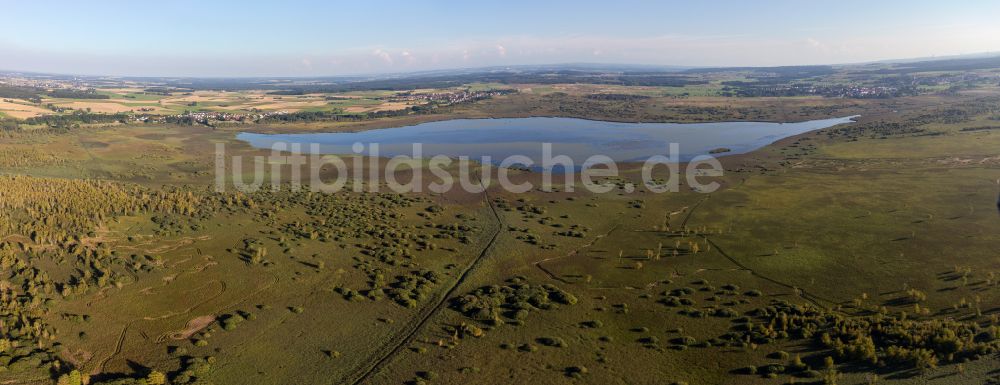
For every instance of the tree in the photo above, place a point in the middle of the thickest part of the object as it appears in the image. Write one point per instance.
(828, 362)
(156, 378)
(71, 378)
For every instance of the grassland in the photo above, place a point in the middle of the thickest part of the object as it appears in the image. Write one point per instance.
(121, 262)
(829, 232)
(137, 101)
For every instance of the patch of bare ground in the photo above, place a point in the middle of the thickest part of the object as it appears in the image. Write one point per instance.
(193, 326)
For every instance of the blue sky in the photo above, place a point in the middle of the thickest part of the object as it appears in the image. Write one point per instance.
(311, 38)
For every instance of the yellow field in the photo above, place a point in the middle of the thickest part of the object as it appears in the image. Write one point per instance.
(388, 106)
(105, 107)
(21, 111)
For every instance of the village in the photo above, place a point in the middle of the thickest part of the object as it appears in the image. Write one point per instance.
(449, 97)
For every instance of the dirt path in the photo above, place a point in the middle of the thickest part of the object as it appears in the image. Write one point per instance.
(574, 252)
(813, 298)
(687, 217)
(118, 349)
(403, 338)
(12, 236)
(193, 326)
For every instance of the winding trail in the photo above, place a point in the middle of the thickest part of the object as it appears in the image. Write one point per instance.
(687, 217)
(813, 298)
(386, 353)
(12, 236)
(538, 264)
(118, 349)
(222, 290)
(593, 241)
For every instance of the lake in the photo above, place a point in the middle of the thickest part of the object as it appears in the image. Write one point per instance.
(576, 138)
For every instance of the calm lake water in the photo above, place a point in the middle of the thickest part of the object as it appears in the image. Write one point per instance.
(576, 138)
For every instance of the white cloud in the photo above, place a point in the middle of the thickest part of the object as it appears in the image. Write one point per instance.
(384, 56)
(818, 47)
(408, 57)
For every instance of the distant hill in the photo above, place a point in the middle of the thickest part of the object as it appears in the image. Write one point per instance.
(594, 73)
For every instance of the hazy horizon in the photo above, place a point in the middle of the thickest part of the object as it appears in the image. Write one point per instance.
(315, 39)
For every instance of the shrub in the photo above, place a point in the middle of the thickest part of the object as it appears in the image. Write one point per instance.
(595, 324)
(576, 371)
(429, 375)
(774, 369)
(552, 341)
(649, 340)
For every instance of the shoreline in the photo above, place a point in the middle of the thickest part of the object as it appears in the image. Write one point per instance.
(727, 154)
(410, 121)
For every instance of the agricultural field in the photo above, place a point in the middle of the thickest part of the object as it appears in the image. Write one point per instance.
(156, 105)
(138, 101)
